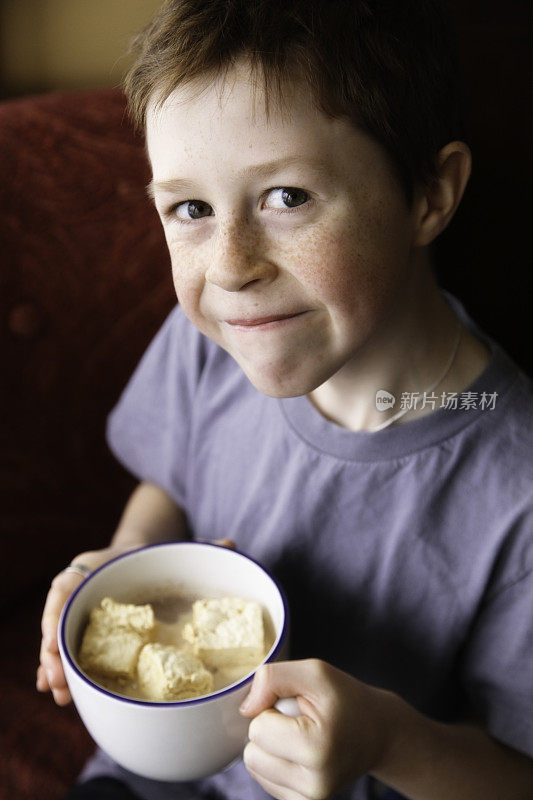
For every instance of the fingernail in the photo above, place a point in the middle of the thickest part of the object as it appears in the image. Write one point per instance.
(245, 705)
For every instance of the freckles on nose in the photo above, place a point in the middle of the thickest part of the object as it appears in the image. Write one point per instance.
(238, 256)
(238, 237)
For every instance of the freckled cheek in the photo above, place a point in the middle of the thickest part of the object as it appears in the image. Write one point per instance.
(351, 266)
(338, 275)
(187, 278)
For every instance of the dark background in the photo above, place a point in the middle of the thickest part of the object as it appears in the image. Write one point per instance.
(485, 255)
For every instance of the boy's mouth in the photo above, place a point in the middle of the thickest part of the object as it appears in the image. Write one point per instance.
(259, 322)
(253, 321)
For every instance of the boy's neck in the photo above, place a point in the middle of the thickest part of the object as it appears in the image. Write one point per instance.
(410, 353)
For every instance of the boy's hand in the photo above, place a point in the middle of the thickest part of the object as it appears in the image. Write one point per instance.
(50, 675)
(340, 735)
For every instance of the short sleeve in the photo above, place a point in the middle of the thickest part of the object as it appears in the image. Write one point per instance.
(148, 430)
(497, 668)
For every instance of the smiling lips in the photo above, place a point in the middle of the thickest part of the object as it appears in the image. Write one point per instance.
(259, 322)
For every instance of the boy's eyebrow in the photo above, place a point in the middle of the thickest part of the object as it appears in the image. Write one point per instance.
(253, 171)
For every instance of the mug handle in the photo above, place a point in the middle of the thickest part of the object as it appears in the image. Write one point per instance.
(288, 706)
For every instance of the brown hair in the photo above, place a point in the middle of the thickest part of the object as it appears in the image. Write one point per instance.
(386, 65)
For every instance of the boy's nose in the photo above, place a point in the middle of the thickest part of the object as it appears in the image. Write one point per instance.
(237, 260)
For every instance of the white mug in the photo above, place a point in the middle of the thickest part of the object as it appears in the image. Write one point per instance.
(173, 741)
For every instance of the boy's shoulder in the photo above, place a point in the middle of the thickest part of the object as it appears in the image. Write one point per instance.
(508, 427)
(505, 392)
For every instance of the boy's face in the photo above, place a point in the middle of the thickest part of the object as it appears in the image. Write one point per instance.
(290, 239)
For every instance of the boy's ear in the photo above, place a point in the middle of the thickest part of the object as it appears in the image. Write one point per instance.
(438, 201)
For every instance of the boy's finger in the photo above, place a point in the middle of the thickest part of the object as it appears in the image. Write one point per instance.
(54, 671)
(274, 781)
(49, 644)
(49, 641)
(61, 696)
(279, 771)
(42, 681)
(221, 542)
(284, 737)
(301, 679)
(227, 543)
(60, 693)
(55, 600)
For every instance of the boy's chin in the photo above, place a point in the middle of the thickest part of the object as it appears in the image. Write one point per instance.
(281, 386)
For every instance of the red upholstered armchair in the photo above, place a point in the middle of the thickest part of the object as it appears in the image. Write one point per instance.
(85, 283)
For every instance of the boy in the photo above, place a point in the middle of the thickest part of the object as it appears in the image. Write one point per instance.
(304, 157)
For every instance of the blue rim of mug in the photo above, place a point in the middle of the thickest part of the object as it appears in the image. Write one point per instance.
(172, 703)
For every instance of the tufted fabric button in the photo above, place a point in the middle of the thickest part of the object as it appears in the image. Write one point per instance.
(25, 321)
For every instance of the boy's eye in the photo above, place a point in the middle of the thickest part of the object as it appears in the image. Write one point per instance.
(196, 208)
(290, 196)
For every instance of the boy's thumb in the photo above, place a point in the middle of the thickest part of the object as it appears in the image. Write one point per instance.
(273, 684)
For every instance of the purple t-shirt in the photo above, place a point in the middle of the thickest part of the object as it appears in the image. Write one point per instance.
(406, 554)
